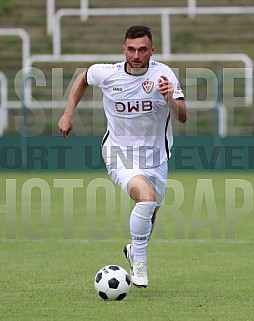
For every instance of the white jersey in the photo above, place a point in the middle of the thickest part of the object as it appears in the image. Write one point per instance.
(139, 125)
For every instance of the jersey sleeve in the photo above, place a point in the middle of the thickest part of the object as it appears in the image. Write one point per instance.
(178, 92)
(97, 73)
(93, 75)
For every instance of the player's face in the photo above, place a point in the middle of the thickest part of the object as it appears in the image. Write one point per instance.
(138, 52)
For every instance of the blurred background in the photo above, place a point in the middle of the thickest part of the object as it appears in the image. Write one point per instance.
(45, 44)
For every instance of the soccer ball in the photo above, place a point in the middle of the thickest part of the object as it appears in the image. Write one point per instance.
(112, 282)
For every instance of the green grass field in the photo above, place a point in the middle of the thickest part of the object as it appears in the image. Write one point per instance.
(58, 229)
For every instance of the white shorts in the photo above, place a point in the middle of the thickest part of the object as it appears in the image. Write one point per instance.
(157, 176)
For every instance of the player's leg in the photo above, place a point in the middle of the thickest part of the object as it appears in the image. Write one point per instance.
(129, 250)
(153, 219)
(158, 179)
(141, 191)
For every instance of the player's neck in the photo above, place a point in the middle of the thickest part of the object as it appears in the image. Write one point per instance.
(135, 71)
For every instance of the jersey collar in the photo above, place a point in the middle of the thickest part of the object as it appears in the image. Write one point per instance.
(137, 75)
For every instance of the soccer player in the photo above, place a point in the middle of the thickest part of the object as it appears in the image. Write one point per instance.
(140, 96)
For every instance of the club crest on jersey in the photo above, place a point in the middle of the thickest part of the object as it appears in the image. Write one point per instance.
(148, 86)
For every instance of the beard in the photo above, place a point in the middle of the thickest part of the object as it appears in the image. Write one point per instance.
(137, 66)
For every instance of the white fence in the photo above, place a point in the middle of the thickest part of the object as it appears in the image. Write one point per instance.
(3, 103)
(54, 28)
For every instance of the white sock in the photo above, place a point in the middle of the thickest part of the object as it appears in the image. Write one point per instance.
(152, 227)
(140, 229)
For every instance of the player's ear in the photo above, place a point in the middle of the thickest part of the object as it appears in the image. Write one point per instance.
(153, 49)
(123, 48)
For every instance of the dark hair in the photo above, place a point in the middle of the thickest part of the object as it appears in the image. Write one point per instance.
(138, 32)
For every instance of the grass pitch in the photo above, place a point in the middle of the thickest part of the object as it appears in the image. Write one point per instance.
(58, 229)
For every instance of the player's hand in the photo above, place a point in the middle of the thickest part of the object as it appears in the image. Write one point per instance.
(166, 88)
(65, 125)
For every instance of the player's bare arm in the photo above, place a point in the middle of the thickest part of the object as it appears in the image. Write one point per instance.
(77, 91)
(177, 107)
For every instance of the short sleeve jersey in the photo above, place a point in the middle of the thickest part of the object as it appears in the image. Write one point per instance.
(137, 114)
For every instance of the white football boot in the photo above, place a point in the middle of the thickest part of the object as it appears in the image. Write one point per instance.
(138, 271)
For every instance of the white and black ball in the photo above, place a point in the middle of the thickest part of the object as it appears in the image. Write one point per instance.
(112, 282)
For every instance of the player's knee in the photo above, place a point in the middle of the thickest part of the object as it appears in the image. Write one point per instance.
(143, 195)
(151, 197)
(141, 190)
